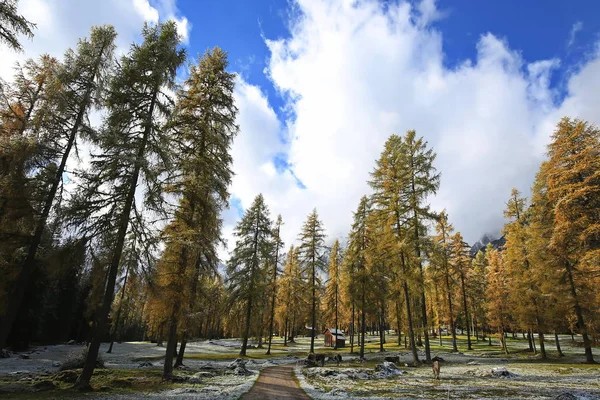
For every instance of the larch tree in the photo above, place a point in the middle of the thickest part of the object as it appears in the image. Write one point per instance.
(477, 289)
(333, 289)
(278, 245)
(356, 257)
(442, 262)
(548, 269)
(497, 294)
(424, 182)
(311, 253)
(131, 146)
(461, 260)
(291, 294)
(13, 24)
(572, 175)
(391, 205)
(81, 80)
(246, 273)
(202, 130)
(527, 300)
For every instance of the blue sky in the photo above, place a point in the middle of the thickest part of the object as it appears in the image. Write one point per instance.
(567, 30)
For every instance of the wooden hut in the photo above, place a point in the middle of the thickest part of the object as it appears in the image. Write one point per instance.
(334, 335)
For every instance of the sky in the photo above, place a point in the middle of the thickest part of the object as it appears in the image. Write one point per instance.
(323, 83)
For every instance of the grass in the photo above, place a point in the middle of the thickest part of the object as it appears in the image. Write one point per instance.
(113, 380)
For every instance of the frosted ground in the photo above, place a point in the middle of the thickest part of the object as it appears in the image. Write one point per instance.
(133, 371)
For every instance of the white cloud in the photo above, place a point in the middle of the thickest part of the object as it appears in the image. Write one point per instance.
(577, 26)
(60, 23)
(355, 72)
(169, 11)
(148, 12)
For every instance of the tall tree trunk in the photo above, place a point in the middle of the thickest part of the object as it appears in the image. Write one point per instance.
(542, 345)
(247, 327)
(336, 316)
(292, 328)
(362, 325)
(399, 324)
(449, 299)
(411, 332)
(381, 338)
(118, 317)
(314, 307)
(466, 311)
(589, 357)
(24, 276)
(560, 353)
(171, 347)
(352, 332)
(90, 363)
(285, 332)
(272, 317)
(530, 341)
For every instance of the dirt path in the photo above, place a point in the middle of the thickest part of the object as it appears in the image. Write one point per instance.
(276, 383)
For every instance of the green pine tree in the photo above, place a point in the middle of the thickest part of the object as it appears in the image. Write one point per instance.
(132, 148)
(202, 132)
(246, 273)
(13, 24)
(311, 255)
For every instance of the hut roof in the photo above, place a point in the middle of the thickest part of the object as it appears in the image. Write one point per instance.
(336, 332)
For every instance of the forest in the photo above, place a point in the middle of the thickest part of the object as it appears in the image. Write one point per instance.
(110, 231)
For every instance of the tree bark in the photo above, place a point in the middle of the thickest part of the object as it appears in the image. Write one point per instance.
(542, 345)
(118, 318)
(411, 332)
(589, 357)
(171, 348)
(560, 353)
(466, 311)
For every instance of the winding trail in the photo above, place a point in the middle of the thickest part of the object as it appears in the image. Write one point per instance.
(276, 383)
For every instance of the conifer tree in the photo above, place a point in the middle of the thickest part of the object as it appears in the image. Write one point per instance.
(13, 24)
(461, 260)
(247, 277)
(526, 298)
(311, 252)
(333, 289)
(291, 294)
(478, 290)
(423, 182)
(130, 145)
(25, 164)
(572, 175)
(355, 258)
(497, 294)
(442, 262)
(392, 208)
(278, 245)
(202, 131)
(80, 80)
(547, 272)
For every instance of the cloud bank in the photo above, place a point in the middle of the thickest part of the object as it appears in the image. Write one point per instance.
(355, 72)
